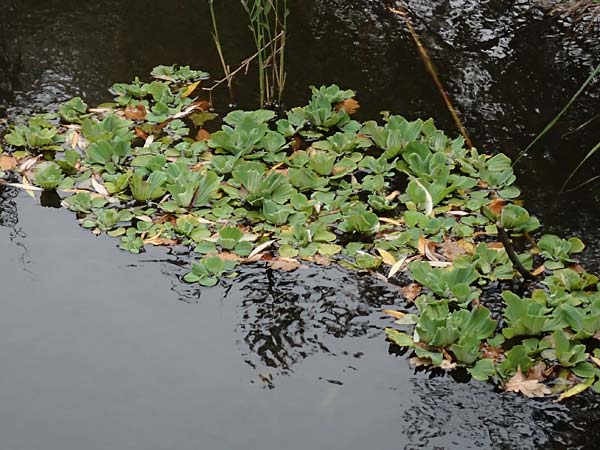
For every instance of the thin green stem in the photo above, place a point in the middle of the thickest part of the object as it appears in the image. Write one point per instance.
(559, 115)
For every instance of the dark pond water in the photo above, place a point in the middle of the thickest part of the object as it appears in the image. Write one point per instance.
(104, 350)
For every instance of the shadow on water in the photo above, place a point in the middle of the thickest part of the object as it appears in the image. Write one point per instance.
(509, 70)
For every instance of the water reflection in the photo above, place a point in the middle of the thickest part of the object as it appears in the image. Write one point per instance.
(9, 218)
(286, 317)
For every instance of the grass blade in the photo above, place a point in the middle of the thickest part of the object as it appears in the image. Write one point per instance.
(560, 114)
(588, 156)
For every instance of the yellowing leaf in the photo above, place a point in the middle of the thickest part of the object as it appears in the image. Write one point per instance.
(393, 313)
(387, 257)
(577, 389)
(190, 89)
(390, 221)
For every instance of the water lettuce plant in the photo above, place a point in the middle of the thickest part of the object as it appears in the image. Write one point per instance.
(397, 199)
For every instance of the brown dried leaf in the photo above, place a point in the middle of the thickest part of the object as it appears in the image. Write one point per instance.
(447, 365)
(527, 387)
(495, 353)
(137, 112)
(228, 256)
(158, 241)
(419, 362)
(141, 133)
(287, 264)
(349, 105)
(537, 372)
(451, 249)
(496, 206)
(411, 291)
(320, 259)
(7, 162)
(202, 135)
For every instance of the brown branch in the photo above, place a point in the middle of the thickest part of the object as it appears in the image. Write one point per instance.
(434, 74)
(506, 241)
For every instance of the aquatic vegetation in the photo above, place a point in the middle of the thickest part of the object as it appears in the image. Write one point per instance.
(398, 200)
(268, 25)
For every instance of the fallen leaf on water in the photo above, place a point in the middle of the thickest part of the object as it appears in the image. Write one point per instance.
(137, 112)
(440, 263)
(287, 264)
(419, 362)
(396, 267)
(7, 162)
(451, 249)
(577, 389)
(149, 141)
(411, 291)
(457, 213)
(202, 135)
(144, 218)
(496, 206)
(25, 187)
(390, 221)
(28, 163)
(527, 387)
(99, 187)
(540, 270)
(158, 241)
(190, 89)
(394, 313)
(320, 259)
(349, 105)
(537, 372)
(253, 256)
(391, 196)
(494, 353)
(387, 257)
(447, 365)
(228, 256)
(296, 143)
(577, 268)
(141, 133)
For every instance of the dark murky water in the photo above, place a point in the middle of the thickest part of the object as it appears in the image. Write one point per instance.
(104, 350)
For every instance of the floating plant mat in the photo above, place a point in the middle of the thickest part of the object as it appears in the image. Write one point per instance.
(397, 199)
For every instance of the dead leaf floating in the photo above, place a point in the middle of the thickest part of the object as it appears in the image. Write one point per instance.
(526, 386)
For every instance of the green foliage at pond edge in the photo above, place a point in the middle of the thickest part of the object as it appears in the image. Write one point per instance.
(396, 198)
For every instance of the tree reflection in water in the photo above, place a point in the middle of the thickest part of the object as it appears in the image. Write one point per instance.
(287, 317)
